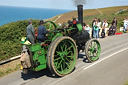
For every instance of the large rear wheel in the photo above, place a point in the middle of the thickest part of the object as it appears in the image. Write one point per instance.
(63, 56)
(49, 52)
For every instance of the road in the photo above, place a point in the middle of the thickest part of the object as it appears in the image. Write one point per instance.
(110, 69)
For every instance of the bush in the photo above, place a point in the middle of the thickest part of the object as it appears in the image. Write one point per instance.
(10, 40)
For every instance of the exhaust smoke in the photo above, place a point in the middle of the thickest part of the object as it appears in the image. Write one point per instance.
(78, 2)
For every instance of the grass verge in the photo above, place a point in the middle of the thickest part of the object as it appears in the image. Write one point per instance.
(9, 67)
(126, 83)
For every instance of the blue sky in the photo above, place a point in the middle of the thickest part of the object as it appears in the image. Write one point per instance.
(63, 4)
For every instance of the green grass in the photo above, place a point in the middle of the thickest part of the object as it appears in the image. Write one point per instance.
(2, 73)
(6, 71)
(126, 83)
(10, 40)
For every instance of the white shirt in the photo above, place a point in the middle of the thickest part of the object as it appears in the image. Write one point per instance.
(105, 25)
(125, 22)
(99, 25)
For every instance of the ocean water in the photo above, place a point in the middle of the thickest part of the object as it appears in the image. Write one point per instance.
(10, 14)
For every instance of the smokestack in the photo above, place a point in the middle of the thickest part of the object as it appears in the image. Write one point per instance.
(80, 13)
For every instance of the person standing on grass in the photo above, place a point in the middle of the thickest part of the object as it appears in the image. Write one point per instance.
(96, 30)
(30, 33)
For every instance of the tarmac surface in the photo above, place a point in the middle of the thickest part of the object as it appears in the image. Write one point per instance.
(110, 69)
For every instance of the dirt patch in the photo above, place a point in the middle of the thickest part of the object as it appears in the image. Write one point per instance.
(9, 67)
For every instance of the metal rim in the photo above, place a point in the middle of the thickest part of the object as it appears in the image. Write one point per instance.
(63, 56)
(93, 50)
(49, 51)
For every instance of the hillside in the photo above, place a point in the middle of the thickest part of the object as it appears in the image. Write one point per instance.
(11, 33)
(10, 38)
(101, 13)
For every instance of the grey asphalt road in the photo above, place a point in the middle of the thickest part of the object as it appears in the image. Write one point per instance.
(110, 69)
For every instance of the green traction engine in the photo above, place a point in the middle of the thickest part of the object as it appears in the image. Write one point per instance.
(60, 50)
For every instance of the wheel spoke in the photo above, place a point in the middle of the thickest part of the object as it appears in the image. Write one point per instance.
(65, 48)
(94, 45)
(69, 52)
(61, 68)
(56, 63)
(59, 64)
(64, 64)
(67, 64)
(57, 59)
(69, 47)
(70, 56)
(67, 59)
(58, 53)
(61, 48)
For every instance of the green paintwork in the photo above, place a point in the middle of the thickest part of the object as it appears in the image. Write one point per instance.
(64, 57)
(35, 47)
(80, 28)
(57, 35)
(39, 56)
(94, 50)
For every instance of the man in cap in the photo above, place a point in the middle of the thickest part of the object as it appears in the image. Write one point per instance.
(41, 32)
(30, 33)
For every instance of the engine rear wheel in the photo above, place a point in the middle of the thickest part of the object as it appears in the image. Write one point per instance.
(92, 50)
(63, 56)
(49, 52)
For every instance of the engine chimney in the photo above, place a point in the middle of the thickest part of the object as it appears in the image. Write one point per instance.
(80, 13)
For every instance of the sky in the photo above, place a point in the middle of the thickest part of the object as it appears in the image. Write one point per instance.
(64, 4)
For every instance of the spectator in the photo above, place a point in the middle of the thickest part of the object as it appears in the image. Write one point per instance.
(112, 30)
(104, 20)
(99, 26)
(41, 32)
(87, 28)
(92, 26)
(96, 29)
(125, 25)
(30, 33)
(114, 23)
(84, 26)
(105, 27)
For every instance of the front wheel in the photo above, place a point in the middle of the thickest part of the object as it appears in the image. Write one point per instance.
(92, 50)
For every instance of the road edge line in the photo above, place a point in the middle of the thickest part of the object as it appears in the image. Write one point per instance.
(104, 58)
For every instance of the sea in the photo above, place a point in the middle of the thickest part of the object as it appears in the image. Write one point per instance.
(11, 14)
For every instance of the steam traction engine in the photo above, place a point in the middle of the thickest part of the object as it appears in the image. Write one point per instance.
(60, 50)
